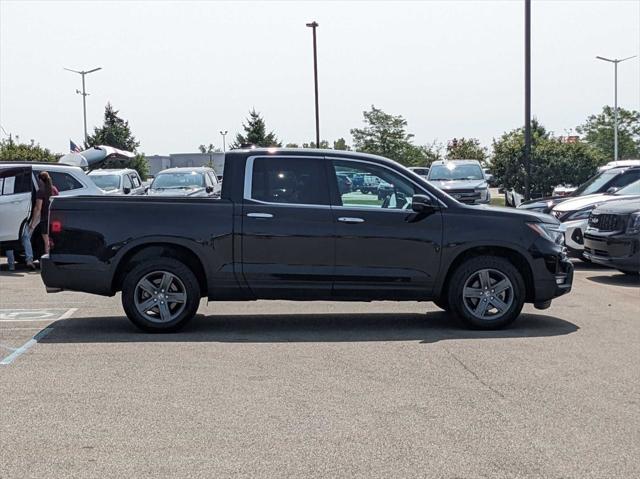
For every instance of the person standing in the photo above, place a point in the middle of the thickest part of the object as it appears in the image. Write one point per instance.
(40, 214)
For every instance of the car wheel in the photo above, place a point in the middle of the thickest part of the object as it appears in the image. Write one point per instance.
(487, 292)
(160, 295)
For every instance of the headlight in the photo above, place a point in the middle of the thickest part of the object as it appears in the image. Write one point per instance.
(484, 193)
(582, 214)
(549, 231)
(634, 224)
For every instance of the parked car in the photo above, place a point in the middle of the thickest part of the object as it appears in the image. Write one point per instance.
(283, 230)
(489, 176)
(421, 171)
(613, 236)
(607, 180)
(370, 184)
(574, 214)
(118, 181)
(185, 181)
(462, 179)
(563, 190)
(18, 186)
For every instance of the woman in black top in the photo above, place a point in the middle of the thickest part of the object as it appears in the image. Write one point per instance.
(41, 210)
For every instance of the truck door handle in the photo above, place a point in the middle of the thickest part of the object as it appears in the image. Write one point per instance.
(347, 219)
(259, 215)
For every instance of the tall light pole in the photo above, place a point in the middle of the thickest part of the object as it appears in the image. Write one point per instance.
(314, 25)
(84, 97)
(527, 99)
(615, 62)
(224, 143)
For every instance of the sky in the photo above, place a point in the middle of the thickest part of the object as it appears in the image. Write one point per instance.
(180, 72)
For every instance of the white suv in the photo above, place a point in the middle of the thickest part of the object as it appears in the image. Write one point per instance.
(17, 192)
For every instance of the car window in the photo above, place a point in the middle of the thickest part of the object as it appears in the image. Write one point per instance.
(632, 189)
(15, 181)
(106, 182)
(135, 179)
(455, 171)
(290, 180)
(624, 179)
(126, 182)
(64, 181)
(176, 180)
(595, 183)
(380, 188)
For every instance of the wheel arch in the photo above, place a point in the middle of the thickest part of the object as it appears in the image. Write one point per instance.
(516, 257)
(155, 249)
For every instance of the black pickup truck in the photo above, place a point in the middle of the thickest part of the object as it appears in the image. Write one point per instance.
(285, 227)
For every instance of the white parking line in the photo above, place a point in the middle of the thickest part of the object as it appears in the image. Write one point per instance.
(25, 347)
(15, 315)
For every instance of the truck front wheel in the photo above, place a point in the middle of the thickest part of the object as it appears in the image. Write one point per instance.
(160, 295)
(487, 292)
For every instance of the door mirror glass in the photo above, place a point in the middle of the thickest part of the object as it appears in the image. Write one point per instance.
(126, 190)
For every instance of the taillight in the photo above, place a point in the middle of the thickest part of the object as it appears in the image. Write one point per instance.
(56, 226)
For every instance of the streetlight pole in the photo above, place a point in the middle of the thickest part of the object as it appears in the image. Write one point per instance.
(84, 97)
(224, 143)
(314, 25)
(527, 99)
(615, 62)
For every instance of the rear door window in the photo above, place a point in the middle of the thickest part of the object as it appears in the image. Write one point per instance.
(301, 181)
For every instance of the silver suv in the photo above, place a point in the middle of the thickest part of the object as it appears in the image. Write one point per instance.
(463, 179)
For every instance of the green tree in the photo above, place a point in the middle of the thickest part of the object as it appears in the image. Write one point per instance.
(386, 135)
(255, 133)
(116, 132)
(466, 149)
(11, 150)
(598, 132)
(341, 144)
(312, 144)
(554, 161)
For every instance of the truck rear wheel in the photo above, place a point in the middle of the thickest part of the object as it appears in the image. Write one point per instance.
(487, 292)
(160, 295)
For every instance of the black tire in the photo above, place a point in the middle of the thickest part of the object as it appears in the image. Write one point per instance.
(187, 282)
(629, 272)
(495, 267)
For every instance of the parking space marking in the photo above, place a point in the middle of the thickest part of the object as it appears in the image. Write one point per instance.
(25, 347)
(55, 314)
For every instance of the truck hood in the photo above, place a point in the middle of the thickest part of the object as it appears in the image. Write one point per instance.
(451, 185)
(524, 215)
(580, 202)
(619, 207)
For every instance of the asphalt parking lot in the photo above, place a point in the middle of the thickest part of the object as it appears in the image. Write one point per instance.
(285, 389)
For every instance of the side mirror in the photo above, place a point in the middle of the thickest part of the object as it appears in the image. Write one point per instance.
(126, 191)
(209, 189)
(612, 190)
(422, 204)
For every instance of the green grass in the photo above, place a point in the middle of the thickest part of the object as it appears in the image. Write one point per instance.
(497, 200)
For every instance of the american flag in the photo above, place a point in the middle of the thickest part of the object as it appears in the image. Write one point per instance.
(73, 147)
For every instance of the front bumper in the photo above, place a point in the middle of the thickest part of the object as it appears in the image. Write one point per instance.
(574, 236)
(552, 272)
(616, 250)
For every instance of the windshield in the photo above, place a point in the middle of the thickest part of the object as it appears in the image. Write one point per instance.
(106, 182)
(596, 183)
(452, 171)
(189, 179)
(632, 189)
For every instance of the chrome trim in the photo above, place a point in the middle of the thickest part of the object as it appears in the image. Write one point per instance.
(349, 219)
(259, 215)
